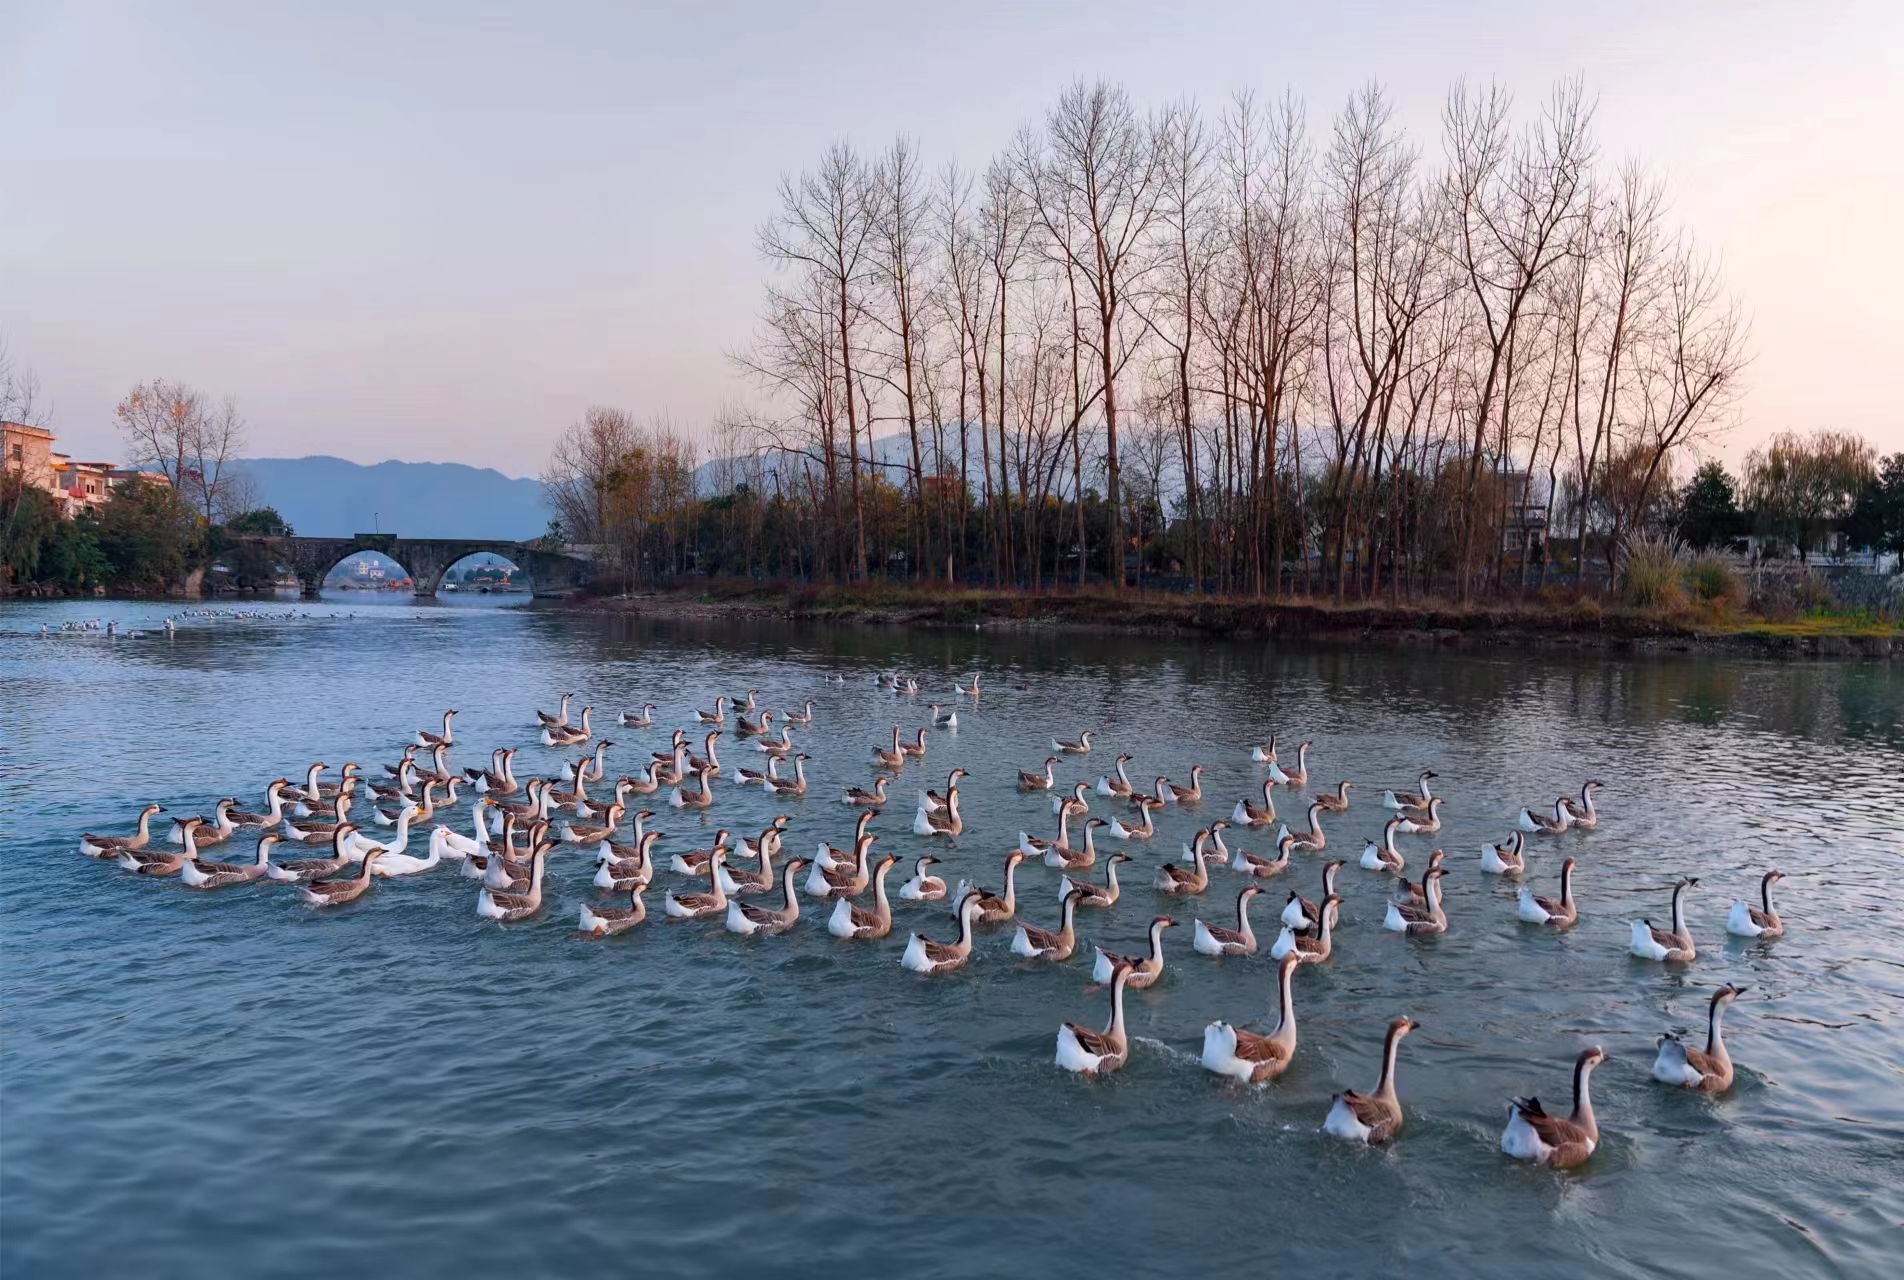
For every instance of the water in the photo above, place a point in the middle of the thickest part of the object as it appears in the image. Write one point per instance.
(229, 1083)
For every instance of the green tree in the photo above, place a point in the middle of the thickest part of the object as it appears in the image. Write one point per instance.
(1876, 523)
(261, 521)
(150, 538)
(1709, 507)
(1798, 488)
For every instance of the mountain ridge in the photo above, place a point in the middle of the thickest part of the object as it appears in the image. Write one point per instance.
(329, 497)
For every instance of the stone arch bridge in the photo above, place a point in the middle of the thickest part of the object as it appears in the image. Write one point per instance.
(551, 573)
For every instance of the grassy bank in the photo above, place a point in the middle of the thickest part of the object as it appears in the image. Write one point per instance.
(1580, 624)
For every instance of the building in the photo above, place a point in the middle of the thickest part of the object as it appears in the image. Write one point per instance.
(28, 451)
(74, 485)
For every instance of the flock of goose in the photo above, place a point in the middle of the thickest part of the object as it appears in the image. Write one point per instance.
(517, 824)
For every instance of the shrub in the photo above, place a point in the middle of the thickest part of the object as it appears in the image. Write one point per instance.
(1715, 582)
(1650, 572)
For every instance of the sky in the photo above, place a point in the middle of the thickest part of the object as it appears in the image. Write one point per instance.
(435, 231)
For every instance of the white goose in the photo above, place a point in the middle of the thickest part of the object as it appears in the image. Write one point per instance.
(1250, 1058)
(1297, 777)
(1096, 1053)
(1657, 944)
(1210, 940)
(1748, 921)
(1506, 858)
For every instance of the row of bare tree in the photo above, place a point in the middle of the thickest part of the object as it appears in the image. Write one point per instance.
(1277, 357)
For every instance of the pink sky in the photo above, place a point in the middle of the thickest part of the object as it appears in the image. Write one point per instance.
(442, 234)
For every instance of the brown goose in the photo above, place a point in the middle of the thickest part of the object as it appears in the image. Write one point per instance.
(1170, 793)
(1080, 746)
(700, 798)
(1534, 1135)
(794, 786)
(217, 875)
(849, 921)
(1038, 781)
(1658, 944)
(1096, 1053)
(1073, 805)
(1299, 913)
(694, 861)
(1248, 813)
(274, 808)
(112, 846)
(1310, 841)
(1310, 948)
(495, 904)
(1252, 1058)
(701, 906)
(1034, 943)
(424, 738)
(833, 857)
(915, 749)
(1409, 893)
(1376, 1117)
(1254, 864)
(1426, 824)
(1120, 785)
(598, 921)
(893, 758)
(1187, 881)
(1708, 1072)
(302, 869)
(1095, 895)
(1418, 921)
(1538, 910)
(924, 886)
(165, 862)
(996, 908)
(844, 881)
(1584, 815)
(642, 719)
(1145, 969)
(1411, 799)
(749, 920)
(923, 955)
(1336, 801)
(864, 798)
(1507, 858)
(561, 718)
(335, 893)
(1212, 940)
(1748, 921)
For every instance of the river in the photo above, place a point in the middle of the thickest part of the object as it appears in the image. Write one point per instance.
(230, 1083)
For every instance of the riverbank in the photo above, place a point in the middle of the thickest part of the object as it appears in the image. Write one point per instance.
(1583, 625)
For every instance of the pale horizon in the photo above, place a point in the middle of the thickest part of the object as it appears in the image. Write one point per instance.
(392, 238)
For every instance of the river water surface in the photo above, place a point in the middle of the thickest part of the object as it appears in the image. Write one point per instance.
(199, 1084)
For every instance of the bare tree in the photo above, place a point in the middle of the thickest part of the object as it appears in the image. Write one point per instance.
(189, 439)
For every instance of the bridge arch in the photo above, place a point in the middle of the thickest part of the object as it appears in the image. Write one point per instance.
(473, 573)
(551, 571)
(371, 567)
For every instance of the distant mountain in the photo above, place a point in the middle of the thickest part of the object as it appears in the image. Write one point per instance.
(330, 497)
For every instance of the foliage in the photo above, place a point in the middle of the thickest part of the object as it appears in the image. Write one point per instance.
(1709, 508)
(149, 536)
(260, 521)
(1715, 582)
(1798, 487)
(1651, 570)
(1876, 522)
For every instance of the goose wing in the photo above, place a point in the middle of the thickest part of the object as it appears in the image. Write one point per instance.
(1557, 1132)
(1254, 1048)
(1371, 1112)
(1095, 1043)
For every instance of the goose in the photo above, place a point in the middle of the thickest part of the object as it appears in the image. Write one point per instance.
(746, 726)
(1541, 824)
(923, 887)
(1376, 1117)
(674, 770)
(645, 784)
(676, 740)
(498, 778)
(1384, 856)
(569, 799)
(710, 764)
(623, 874)
(861, 796)
(1035, 847)
(694, 861)
(220, 831)
(746, 701)
(1538, 910)
(1248, 813)
(894, 759)
(1299, 913)
(1170, 793)
(1251, 1058)
(512, 871)
(969, 691)
(701, 906)
(1748, 921)
(1034, 943)
(593, 763)
(916, 749)
(759, 880)
(94, 846)
(1212, 940)
(947, 821)
(849, 921)
(1120, 785)
(1506, 858)
(1143, 831)
(1708, 1072)
(420, 813)
(1265, 753)
(391, 863)
(216, 875)
(830, 856)
(561, 718)
(598, 921)
(1145, 970)
(439, 765)
(1584, 815)
(1311, 841)
(1534, 1135)
(624, 787)
(554, 737)
(301, 869)
(700, 798)
(361, 843)
(776, 748)
(794, 786)
(1176, 880)
(943, 719)
(1297, 777)
(1080, 746)
(1095, 895)
(749, 920)
(1656, 944)
(1411, 799)
(718, 716)
(424, 738)
(164, 862)
(802, 717)
(1221, 856)
(404, 767)
(1420, 921)
(1077, 859)
(1253, 864)
(317, 792)
(1074, 804)
(1311, 948)
(1336, 801)
(1038, 781)
(1096, 1053)
(1427, 824)
(844, 881)
(641, 719)
(767, 843)
(996, 908)
(923, 955)
(335, 893)
(492, 904)
(274, 813)
(1408, 893)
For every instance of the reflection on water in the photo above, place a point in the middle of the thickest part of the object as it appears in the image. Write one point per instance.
(230, 1083)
